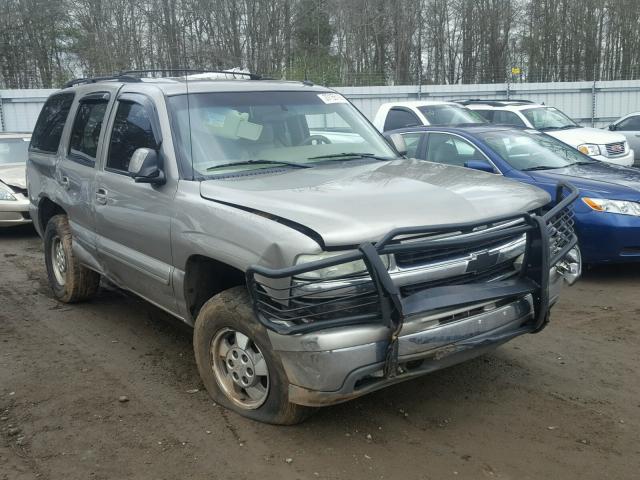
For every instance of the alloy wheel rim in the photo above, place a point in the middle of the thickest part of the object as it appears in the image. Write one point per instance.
(58, 260)
(239, 368)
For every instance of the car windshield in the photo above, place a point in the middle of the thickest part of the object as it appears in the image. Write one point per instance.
(442, 115)
(548, 118)
(13, 150)
(528, 150)
(222, 132)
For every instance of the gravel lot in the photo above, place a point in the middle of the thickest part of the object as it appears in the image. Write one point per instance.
(564, 404)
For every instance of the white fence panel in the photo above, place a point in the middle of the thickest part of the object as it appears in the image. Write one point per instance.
(600, 102)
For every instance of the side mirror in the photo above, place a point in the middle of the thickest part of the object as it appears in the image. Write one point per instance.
(397, 141)
(144, 167)
(481, 165)
(612, 127)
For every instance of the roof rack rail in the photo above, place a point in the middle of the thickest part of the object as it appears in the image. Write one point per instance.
(494, 102)
(135, 75)
(252, 76)
(119, 77)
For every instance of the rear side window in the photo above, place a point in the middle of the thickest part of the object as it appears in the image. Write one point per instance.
(48, 129)
(131, 130)
(85, 133)
(398, 118)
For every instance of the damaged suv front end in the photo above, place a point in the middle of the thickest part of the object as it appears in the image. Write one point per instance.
(418, 300)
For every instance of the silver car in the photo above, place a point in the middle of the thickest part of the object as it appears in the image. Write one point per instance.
(14, 205)
(629, 126)
(315, 263)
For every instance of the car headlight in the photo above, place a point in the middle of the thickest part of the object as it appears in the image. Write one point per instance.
(354, 268)
(589, 149)
(6, 193)
(613, 206)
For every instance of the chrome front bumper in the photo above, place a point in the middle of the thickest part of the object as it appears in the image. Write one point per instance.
(14, 212)
(332, 366)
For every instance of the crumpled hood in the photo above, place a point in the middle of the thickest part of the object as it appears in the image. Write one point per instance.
(14, 175)
(347, 205)
(596, 177)
(578, 136)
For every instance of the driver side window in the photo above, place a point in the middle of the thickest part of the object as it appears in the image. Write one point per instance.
(630, 124)
(131, 130)
(451, 150)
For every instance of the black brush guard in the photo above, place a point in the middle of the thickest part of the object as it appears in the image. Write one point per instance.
(287, 303)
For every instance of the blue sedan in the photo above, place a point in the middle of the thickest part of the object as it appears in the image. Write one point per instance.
(607, 214)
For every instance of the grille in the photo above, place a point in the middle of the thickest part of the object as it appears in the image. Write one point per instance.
(615, 148)
(502, 270)
(419, 257)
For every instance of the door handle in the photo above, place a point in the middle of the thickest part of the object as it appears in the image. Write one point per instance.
(64, 181)
(101, 196)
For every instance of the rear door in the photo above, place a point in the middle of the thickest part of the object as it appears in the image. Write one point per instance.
(76, 173)
(630, 128)
(134, 219)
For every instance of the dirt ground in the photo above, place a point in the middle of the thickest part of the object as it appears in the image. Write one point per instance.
(564, 404)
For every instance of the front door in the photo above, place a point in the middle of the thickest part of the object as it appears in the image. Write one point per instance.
(134, 219)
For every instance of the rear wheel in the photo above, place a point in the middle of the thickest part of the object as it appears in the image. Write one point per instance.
(69, 280)
(236, 362)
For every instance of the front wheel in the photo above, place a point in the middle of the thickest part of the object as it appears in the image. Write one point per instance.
(69, 280)
(236, 363)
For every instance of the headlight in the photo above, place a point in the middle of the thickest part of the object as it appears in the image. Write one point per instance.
(613, 206)
(589, 149)
(6, 193)
(341, 270)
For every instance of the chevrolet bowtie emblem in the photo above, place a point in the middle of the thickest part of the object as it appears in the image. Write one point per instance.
(482, 261)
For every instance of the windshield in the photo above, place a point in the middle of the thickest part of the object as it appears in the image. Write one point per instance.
(232, 131)
(548, 118)
(13, 150)
(442, 115)
(526, 150)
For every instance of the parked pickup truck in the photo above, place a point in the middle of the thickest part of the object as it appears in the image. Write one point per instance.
(312, 271)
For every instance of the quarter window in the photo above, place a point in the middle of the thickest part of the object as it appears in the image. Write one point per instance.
(131, 130)
(48, 129)
(85, 133)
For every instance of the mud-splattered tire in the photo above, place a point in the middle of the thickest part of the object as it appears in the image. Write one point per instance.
(237, 364)
(69, 281)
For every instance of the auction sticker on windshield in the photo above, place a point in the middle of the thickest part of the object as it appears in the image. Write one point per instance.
(332, 98)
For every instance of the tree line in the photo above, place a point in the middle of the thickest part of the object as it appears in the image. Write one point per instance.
(43, 43)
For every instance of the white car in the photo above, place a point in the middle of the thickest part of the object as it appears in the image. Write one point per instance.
(14, 203)
(395, 115)
(606, 146)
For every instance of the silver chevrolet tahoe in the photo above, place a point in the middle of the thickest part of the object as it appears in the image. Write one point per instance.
(315, 263)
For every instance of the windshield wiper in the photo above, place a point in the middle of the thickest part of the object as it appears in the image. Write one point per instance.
(355, 155)
(564, 127)
(540, 167)
(258, 162)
